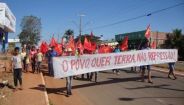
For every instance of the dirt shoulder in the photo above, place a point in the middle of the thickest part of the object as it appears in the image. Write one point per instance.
(32, 93)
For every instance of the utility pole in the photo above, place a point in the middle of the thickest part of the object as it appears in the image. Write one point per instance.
(80, 25)
(58, 38)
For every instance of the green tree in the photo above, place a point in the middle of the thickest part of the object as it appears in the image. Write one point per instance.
(68, 33)
(89, 37)
(176, 40)
(31, 30)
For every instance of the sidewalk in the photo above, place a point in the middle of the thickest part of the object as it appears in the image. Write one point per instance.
(32, 93)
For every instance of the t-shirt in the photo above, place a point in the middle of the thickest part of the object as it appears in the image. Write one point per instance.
(23, 54)
(39, 56)
(116, 50)
(27, 60)
(53, 53)
(32, 53)
(16, 60)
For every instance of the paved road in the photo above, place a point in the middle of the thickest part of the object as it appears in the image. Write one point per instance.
(125, 89)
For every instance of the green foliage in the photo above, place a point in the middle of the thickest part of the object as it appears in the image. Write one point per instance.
(31, 30)
(68, 33)
(176, 40)
(95, 39)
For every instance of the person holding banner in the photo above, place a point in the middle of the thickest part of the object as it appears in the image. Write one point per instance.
(171, 70)
(52, 53)
(116, 50)
(69, 78)
(144, 67)
(94, 73)
(88, 74)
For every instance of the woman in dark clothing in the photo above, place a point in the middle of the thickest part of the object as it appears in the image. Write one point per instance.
(171, 70)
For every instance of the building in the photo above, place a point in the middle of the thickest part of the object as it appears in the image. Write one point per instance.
(136, 38)
(7, 24)
(13, 43)
(112, 43)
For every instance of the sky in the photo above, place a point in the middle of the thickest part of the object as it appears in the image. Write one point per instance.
(60, 15)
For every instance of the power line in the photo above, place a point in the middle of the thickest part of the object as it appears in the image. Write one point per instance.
(134, 18)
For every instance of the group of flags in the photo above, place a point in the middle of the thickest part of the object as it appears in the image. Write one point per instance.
(88, 45)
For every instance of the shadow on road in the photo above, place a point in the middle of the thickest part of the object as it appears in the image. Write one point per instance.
(156, 86)
(132, 99)
(39, 87)
(111, 81)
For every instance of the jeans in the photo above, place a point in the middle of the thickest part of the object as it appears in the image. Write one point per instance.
(33, 64)
(171, 66)
(17, 75)
(145, 67)
(38, 66)
(50, 66)
(69, 85)
(91, 76)
(88, 76)
(24, 64)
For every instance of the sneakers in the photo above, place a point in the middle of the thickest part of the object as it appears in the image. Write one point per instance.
(68, 94)
(150, 82)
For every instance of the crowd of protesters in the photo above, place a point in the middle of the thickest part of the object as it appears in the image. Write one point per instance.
(32, 56)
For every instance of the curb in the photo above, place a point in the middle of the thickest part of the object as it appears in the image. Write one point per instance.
(164, 71)
(45, 91)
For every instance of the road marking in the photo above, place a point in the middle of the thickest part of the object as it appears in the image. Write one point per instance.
(45, 91)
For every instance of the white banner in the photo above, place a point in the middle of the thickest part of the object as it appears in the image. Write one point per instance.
(73, 65)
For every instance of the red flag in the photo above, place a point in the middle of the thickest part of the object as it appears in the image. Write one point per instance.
(93, 46)
(53, 42)
(100, 49)
(87, 44)
(71, 45)
(80, 46)
(58, 49)
(153, 45)
(124, 45)
(44, 47)
(108, 49)
(105, 49)
(148, 32)
(62, 41)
